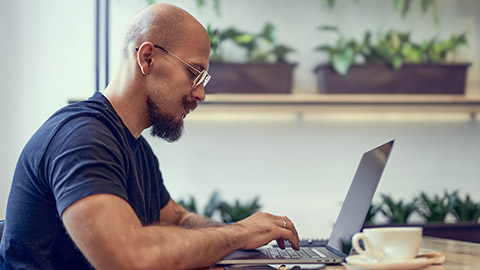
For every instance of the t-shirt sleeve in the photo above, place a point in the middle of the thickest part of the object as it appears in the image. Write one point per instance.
(84, 158)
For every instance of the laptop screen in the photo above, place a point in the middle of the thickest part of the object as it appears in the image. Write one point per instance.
(359, 197)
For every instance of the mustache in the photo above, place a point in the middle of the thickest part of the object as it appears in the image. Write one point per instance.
(189, 104)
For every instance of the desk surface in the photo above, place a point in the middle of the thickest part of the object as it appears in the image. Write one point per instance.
(459, 255)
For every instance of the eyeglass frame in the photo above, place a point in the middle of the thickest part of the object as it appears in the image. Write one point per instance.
(202, 76)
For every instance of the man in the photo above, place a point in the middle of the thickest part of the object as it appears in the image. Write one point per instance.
(87, 190)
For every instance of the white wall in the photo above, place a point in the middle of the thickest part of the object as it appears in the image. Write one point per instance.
(47, 53)
(303, 168)
(47, 56)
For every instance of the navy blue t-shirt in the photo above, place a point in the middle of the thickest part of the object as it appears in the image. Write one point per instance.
(83, 149)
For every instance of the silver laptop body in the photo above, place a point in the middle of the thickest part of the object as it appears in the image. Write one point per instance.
(350, 221)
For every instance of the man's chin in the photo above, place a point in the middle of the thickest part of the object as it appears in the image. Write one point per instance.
(170, 132)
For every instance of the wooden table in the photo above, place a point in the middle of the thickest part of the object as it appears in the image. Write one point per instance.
(459, 255)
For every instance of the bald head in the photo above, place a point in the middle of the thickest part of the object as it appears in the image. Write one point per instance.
(161, 24)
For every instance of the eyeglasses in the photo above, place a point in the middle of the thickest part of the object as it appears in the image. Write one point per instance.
(202, 77)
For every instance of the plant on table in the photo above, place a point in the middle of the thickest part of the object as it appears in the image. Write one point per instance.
(397, 211)
(466, 209)
(238, 211)
(436, 208)
(228, 212)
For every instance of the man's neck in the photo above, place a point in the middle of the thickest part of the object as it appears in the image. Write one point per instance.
(128, 106)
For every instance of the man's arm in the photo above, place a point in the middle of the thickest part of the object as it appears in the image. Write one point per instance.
(174, 213)
(110, 235)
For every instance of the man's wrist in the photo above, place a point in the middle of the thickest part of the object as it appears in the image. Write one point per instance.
(239, 235)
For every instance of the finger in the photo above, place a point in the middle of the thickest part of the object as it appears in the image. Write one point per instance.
(295, 244)
(291, 227)
(290, 237)
(294, 241)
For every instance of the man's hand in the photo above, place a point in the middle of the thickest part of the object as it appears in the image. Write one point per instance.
(262, 228)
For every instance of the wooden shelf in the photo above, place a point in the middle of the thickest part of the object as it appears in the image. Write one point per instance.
(303, 103)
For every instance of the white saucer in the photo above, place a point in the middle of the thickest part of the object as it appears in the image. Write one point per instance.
(367, 263)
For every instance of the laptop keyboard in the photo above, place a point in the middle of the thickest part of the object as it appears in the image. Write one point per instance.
(290, 253)
(308, 243)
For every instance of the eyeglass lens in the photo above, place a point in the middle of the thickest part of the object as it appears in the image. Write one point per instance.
(203, 77)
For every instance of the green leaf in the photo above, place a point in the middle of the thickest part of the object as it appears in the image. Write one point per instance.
(244, 39)
(212, 204)
(189, 206)
(466, 210)
(268, 32)
(397, 62)
(436, 208)
(372, 212)
(343, 60)
(397, 212)
(280, 52)
(238, 211)
(229, 33)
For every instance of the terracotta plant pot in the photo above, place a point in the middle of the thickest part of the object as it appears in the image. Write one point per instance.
(381, 79)
(261, 78)
(463, 231)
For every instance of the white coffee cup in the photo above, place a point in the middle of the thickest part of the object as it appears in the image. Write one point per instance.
(389, 244)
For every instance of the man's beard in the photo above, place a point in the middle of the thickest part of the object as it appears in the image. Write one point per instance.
(164, 125)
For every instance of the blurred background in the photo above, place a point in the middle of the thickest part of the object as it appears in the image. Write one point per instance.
(300, 167)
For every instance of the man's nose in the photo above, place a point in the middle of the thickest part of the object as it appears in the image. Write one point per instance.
(199, 93)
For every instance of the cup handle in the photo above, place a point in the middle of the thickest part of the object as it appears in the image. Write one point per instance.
(368, 251)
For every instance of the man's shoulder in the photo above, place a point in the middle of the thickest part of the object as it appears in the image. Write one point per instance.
(95, 111)
(77, 122)
(96, 107)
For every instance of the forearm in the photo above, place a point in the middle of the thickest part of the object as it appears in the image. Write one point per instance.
(192, 220)
(173, 247)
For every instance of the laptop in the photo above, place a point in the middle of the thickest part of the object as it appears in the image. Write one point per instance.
(349, 221)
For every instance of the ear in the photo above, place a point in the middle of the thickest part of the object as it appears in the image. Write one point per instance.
(145, 57)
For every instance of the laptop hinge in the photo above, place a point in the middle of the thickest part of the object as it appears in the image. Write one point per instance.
(336, 252)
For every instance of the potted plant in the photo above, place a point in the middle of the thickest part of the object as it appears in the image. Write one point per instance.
(210, 208)
(466, 210)
(434, 210)
(397, 212)
(227, 212)
(391, 64)
(238, 211)
(265, 70)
